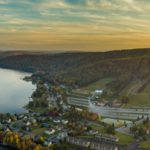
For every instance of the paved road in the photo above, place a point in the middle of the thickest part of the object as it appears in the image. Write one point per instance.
(133, 146)
(120, 113)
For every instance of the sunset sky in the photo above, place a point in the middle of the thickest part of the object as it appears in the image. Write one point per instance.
(85, 25)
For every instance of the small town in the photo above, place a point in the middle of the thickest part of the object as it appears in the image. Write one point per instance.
(60, 115)
(74, 74)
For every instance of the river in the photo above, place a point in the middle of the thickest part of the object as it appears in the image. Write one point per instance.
(14, 91)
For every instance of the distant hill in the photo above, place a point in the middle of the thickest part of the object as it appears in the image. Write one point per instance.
(125, 72)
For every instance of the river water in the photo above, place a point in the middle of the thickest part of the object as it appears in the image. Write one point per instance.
(14, 91)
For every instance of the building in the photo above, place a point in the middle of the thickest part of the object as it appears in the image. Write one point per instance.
(98, 92)
(79, 100)
(107, 138)
(91, 143)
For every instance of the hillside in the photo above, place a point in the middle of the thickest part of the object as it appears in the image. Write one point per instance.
(121, 72)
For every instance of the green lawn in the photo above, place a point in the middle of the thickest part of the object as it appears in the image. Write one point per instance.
(145, 144)
(142, 99)
(39, 110)
(147, 126)
(39, 131)
(124, 139)
(101, 84)
(98, 128)
(136, 99)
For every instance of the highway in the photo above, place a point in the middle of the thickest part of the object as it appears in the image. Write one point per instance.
(120, 113)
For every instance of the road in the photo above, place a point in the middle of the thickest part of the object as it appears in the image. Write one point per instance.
(120, 113)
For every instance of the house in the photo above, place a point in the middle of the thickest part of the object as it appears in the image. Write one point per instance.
(9, 121)
(78, 109)
(49, 132)
(62, 135)
(92, 132)
(147, 132)
(52, 139)
(28, 123)
(56, 121)
(102, 104)
(33, 120)
(45, 125)
(96, 94)
(65, 121)
(98, 91)
(47, 143)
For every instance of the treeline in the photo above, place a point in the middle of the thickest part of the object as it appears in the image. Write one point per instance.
(39, 97)
(14, 140)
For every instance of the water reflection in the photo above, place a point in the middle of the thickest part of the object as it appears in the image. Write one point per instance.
(14, 91)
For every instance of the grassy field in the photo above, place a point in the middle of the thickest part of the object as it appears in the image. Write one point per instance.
(39, 131)
(98, 128)
(131, 90)
(136, 98)
(147, 126)
(145, 144)
(101, 84)
(142, 99)
(124, 139)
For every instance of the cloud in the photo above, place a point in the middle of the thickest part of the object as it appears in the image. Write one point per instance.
(131, 6)
(3, 2)
(58, 23)
(76, 2)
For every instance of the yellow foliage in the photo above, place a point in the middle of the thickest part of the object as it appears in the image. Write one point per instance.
(11, 139)
(38, 147)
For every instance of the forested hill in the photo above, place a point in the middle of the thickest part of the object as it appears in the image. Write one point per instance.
(83, 67)
(124, 72)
